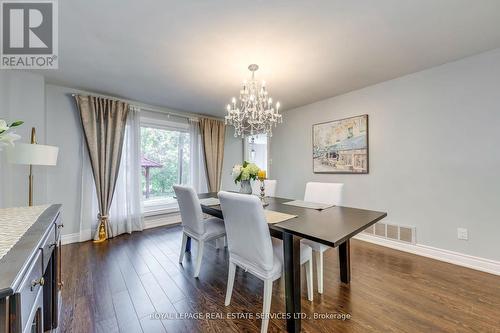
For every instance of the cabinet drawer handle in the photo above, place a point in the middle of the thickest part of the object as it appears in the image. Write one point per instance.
(40, 281)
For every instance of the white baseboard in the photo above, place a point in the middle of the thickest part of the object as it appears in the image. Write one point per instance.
(465, 260)
(70, 238)
(149, 222)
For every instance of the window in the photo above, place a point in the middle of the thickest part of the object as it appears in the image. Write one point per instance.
(256, 150)
(165, 161)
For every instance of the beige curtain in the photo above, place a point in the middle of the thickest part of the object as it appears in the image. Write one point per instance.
(103, 122)
(212, 136)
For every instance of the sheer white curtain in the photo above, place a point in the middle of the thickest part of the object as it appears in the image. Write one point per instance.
(198, 171)
(125, 214)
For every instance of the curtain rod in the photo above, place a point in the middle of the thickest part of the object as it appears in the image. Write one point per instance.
(145, 107)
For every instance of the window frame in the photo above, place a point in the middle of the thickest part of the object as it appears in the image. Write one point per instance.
(161, 124)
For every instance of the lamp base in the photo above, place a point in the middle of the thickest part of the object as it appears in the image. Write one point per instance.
(30, 187)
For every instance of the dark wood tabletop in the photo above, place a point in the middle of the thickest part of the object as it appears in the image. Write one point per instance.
(331, 226)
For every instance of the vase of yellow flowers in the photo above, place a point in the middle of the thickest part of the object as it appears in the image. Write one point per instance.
(243, 174)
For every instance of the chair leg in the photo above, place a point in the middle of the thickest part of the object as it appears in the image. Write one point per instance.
(309, 279)
(199, 256)
(183, 247)
(230, 282)
(266, 309)
(319, 270)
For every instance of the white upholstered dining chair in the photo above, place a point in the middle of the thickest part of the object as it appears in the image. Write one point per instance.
(251, 247)
(325, 193)
(193, 224)
(269, 187)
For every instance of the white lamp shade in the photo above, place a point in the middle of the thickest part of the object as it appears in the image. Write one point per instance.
(34, 154)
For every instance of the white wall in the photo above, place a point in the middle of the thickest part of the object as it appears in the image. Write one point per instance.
(434, 156)
(22, 97)
(64, 130)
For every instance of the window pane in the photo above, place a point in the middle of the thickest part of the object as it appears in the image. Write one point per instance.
(162, 151)
(256, 146)
(186, 168)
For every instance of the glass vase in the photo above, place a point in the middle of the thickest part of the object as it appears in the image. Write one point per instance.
(245, 187)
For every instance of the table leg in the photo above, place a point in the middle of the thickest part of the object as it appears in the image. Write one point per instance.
(345, 261)
(291, 248)
(188, 244)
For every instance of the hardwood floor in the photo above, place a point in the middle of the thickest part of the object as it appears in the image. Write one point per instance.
(117, 286)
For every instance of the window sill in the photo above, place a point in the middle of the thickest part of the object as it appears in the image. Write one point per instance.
(160, 211)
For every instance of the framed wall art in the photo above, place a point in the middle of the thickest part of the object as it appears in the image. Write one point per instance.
(341, 146)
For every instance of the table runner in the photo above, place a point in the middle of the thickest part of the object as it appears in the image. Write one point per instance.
(276, 217)
(308, 204)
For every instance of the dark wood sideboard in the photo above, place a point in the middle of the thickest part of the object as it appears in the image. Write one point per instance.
(30, 278)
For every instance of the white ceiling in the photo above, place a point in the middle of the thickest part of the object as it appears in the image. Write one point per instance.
(193, 55)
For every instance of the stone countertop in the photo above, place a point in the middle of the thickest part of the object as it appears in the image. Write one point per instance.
(14, 222)
(21, 242)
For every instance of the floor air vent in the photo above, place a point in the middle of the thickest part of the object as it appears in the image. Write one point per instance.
(392, 231)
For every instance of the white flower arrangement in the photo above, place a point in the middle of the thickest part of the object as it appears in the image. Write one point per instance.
(246, 171)
(7, 136)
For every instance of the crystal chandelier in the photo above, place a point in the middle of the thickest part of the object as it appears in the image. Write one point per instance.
(254, 112)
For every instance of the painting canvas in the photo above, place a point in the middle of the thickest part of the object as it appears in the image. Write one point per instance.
(341, 146)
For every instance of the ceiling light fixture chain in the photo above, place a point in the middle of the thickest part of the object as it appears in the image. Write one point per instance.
(254, 111)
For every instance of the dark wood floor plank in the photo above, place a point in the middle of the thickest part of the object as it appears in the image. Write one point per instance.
(109, 325)
(104, 312)
(115, 278)
(99, 289)
(69, 277)
(152, 257)
(162, 304)
(151, 325)
(126, 278)
(140, 299)
(83, 321)
(125, 313)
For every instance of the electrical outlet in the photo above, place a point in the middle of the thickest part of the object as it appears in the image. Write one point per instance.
(462, 234)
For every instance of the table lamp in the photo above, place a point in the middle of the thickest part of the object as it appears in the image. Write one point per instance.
(32, 154)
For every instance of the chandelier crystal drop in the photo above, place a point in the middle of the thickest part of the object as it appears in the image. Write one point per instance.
(254, 112)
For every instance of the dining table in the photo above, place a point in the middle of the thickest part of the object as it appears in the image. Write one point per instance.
(333, 226)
